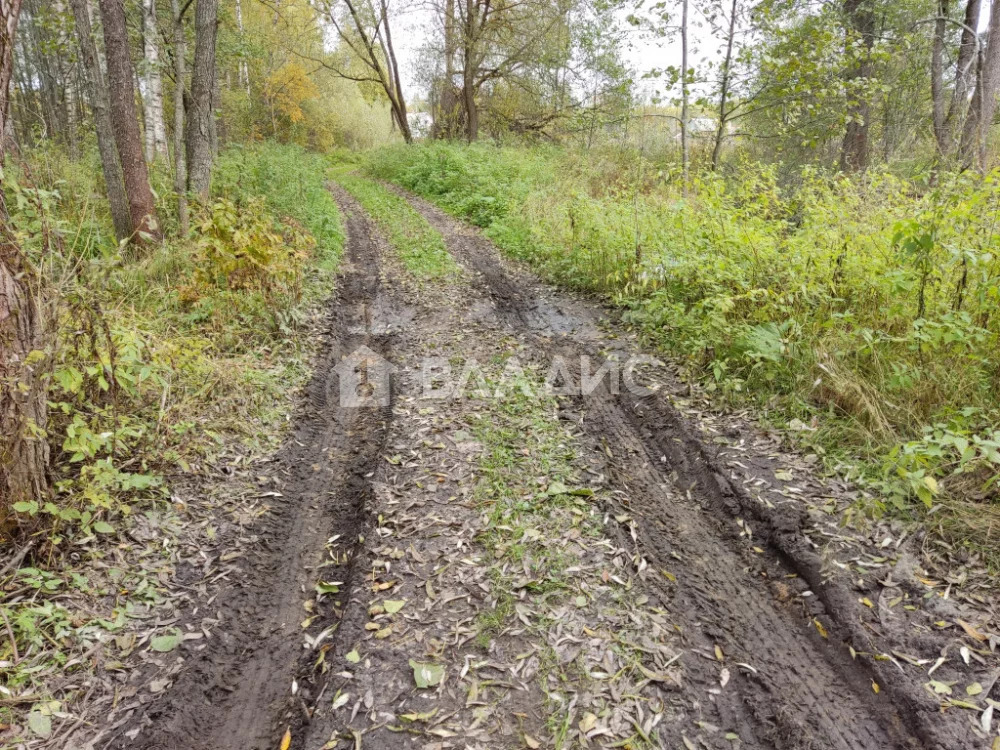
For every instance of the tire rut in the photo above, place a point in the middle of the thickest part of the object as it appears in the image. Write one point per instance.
(800, 688)
(236, 692)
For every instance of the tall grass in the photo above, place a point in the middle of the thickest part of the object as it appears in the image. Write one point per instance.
(863, 313)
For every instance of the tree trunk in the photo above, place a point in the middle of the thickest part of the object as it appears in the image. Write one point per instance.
(24, 452)
(98, 95)
(684, 97)
(200, 113)
(156, 129)
(447, 105)
(860, 23)
(397, 85)
(180, 157)
(965, 72)
(720, 131)
(471, 108)
(121, 92)
(244, 67)
(937, 76)
(984, 100)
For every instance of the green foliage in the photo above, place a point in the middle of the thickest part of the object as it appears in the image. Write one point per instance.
(864, 308)
(418, 244)
(151, 361)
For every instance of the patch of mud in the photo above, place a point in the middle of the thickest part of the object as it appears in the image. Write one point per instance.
(786, 647)
(519, 654)
(249, 679)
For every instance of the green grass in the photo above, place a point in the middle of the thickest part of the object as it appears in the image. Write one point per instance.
(419, 246)
(859, 314)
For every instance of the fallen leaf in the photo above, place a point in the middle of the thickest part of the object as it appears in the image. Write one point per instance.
(974, 689)
(427, 716)
(392, 606)
(286, 741)
(971, 631)
(588, 722)
(165, 643)
(718, 652)
(40, 723)
(820, 629)
(941, 688)
(353, 656)
(532, 742)
(427, 675)
(875, 687)
(340, 701)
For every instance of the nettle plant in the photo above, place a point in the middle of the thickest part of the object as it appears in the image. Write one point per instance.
(98, 414)
(945, 452)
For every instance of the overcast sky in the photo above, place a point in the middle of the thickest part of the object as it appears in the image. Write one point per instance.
(642, 54)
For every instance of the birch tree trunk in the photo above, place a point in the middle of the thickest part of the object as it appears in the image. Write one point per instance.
(152, 99)
(685, 146)
(180, 156)
(984, 100)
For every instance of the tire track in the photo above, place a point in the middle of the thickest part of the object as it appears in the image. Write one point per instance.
(236, 693)
(802, 689)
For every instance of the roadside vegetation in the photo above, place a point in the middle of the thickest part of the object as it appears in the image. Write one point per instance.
(160, 366)
(858, 314)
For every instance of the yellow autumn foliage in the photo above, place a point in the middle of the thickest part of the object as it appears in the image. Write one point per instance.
(288, 89)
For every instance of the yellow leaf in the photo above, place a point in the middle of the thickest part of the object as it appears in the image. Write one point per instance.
(286, 741)
(931, 484)
(820, 629)
(718, 652)
(868, 603)
(875, 687)
(971, 631)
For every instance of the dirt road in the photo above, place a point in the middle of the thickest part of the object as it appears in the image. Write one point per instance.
(538, 570)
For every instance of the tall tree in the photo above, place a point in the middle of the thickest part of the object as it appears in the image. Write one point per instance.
(152, 95)
(685, 145)
(367, 32)
(23, 407)
(125, 124)
(202, 110)
(859, 21)
(98, 95)
(498, 38)
(180, 74)
(983, 108)
(948, 120)
(244, 67)
(724, 86)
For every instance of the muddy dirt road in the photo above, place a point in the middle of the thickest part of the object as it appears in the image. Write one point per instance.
(541, 571)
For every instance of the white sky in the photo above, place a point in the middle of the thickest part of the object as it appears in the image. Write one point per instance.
(642, 54)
